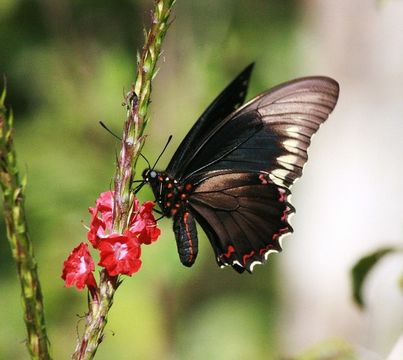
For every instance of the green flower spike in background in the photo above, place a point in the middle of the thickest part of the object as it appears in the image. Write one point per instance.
(20, 243)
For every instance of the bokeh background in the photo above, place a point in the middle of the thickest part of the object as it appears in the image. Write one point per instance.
(68, 64)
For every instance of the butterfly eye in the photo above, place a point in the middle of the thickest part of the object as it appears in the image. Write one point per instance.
(153, 174)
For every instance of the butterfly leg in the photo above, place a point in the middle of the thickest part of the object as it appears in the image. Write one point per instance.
(158, 212)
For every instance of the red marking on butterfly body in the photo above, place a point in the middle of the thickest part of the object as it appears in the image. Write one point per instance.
(189, 235)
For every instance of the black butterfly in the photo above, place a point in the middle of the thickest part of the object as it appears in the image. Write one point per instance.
(234, 169)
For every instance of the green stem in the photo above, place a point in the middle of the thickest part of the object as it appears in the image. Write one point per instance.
(137, 101)
(96, 318)
(21, 246)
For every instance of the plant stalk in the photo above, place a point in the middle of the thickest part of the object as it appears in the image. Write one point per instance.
(13, 189)
(137, 102)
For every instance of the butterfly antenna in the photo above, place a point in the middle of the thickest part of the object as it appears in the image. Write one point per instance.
(162, 152)
(145, 159)
(109, 131)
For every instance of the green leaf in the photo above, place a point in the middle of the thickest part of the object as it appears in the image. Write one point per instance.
(361, 269)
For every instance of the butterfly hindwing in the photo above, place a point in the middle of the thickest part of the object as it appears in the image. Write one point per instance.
(244, 213)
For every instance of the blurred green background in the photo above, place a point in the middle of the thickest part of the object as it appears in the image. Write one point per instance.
(68, 64)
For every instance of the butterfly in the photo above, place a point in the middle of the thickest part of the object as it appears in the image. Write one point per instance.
(233, 171)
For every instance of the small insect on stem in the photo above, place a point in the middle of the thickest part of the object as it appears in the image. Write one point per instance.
(131, 100)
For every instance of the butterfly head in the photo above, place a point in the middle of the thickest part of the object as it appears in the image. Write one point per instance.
(149, 175)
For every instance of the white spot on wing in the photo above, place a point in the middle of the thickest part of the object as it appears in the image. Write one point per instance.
(289, 159)
(280, 173)
(282, 237)
(251, 266)
(277, 181)
(268, 252)
(289, 217)
(293, 129)
(291, 142)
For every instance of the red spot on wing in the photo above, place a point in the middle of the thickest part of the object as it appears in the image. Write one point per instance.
(265, 249)
(280, 232)
(285, 214)
(230, 250)
(246, 257)
(263, 180)
(283, 195)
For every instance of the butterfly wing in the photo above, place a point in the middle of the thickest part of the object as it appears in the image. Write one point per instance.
(271, 133)
(243, 169)
(231, 98)
(244, 215)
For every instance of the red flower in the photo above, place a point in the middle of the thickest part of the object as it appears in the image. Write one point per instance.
(105, 201)
(120, 254)
(78, 268)
(143, 224)
(101, 221)
(97, 228)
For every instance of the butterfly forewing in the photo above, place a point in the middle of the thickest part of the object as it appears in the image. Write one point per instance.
(231, 98)
(271, 132)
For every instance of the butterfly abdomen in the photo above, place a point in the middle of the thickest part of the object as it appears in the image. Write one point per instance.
(186, 237)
